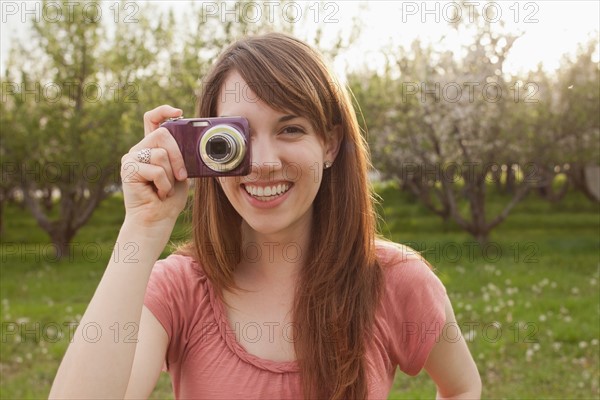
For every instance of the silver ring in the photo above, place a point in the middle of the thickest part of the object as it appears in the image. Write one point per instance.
(143, 156)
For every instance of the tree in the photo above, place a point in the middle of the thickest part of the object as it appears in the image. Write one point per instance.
(92, 82)
(446, 127)
(577, 119)
(69, 135)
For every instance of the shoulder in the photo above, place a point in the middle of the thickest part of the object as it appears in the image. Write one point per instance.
(412, 311)
(399, 261)
(177, 275)
(390, 253)
(408, 277)
(178, 266)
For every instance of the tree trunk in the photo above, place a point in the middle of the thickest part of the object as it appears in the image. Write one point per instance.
(546, 187)
(47, 199)
(576, 174)
(61, 239)
(497, 179)
(2, 201)
(509, 186)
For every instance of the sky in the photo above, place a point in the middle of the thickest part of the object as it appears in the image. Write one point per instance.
(549, 28)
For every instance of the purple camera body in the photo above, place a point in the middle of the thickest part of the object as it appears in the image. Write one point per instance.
(212, 146)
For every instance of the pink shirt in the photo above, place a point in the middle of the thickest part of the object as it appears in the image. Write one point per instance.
(205, 361)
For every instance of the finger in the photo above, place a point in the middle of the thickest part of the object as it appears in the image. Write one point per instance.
(162, 138)
(160, 158)
(153, 118)
(133, 172)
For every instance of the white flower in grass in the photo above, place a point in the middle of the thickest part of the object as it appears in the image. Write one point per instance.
(583, 344)
(553, 285)
(470, 335)
(22, 320)
(556, 346)
(510, 303)
(542, 317)
(28, 356)
(575, 290)
(567, 318)
(593, 281)
(51, 332)
(594, 342)
(18, 359)
(536, 347)
(529, 355)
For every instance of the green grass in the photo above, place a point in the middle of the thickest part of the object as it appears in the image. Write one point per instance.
(528, 302)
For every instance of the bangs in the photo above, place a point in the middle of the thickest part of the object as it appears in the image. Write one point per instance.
(286, 80)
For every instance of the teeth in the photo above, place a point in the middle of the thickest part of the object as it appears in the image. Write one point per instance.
(267, 191)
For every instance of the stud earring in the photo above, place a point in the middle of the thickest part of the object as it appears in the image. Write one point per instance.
(327, 164)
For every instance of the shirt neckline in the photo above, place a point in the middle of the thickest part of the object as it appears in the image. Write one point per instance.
(228, 335)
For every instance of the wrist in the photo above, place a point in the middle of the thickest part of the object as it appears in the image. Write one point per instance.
(150, 224)
(152, 233)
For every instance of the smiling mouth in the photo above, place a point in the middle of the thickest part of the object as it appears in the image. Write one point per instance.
(267, 193)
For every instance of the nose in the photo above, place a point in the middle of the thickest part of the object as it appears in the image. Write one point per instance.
(265, 156)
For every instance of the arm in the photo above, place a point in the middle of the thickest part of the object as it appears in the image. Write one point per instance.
(451, 366)
(149, 357)
(99, 360)
(100, 368)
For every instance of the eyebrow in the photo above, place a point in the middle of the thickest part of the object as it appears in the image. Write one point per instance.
(287, 118)
(282, 119)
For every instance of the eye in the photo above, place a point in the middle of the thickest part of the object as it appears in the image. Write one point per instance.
(293, 130)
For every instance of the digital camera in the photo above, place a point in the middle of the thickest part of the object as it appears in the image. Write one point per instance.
(212, 146)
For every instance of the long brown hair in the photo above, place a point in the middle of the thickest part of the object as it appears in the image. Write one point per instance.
(338, 289)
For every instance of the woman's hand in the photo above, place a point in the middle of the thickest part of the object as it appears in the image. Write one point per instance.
(155, 192)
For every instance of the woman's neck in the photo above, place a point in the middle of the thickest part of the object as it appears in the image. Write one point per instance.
(274, 258)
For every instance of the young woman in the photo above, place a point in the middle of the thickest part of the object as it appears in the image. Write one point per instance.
(284, 291)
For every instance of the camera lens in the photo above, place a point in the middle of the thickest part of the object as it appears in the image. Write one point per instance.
(219, 148)
(222, 148)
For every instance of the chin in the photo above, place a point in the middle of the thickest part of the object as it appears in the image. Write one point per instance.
(266, 227)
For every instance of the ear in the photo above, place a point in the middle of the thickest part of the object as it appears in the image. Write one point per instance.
(333, 142)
